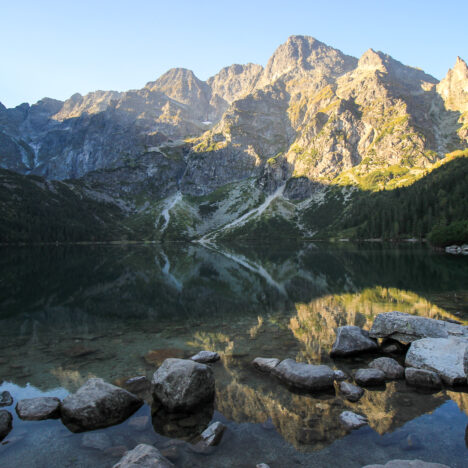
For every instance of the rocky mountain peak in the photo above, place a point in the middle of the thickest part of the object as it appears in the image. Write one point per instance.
(305, 54)
(372, 60)
(454, 87)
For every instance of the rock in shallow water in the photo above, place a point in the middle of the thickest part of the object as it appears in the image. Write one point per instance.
(445, 356)
(422, 378)
(369, 377)
(351, 392)
(352, 420)
(304, 376)
(407, 328)
(139, 384)
(38, 409)
(339, 375)
(96, 440)
(389, 367)
(407, 464)
(6, 399)
(5, 423)
(98, 404)
(265, 364)
(213, 433)
(352, 340)
(205, 357)
(144, 456)
(181, 384)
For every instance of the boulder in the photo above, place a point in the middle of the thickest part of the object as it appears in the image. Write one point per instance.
(144, 456)
(369, 377)
(6, 420)
(339, 375)
(407, 328)
(37, 409)
(352, 340)
(213, 433)
(262, 465)
(98, 404)
(139, 384)
(389, 367)
(181, 384)
(445, 356)
(304, 376)
(407, 464)
(352, 420)
(351, 392)
(265, 364)
(205, 356)
(422, 378)
(389, 346)
(6, 399)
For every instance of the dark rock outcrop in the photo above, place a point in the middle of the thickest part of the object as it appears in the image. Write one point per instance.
(352, 340)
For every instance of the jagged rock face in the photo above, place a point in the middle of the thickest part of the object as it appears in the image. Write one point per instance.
(313, 112)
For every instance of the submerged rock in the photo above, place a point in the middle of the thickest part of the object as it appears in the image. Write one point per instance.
(144, 456)
(339, 375)
(351, 392)
(389, 367)
(213, 433)
(445, 356)
(183, 384)
(6, 399)
(408, 464)
(265, 364)
(352, 420)
(98, 404)
(205, 357)
(422, 378)
(305, 376)
(6, 420)
(369, 377)
(407, 328)
(38, 409)
(96, 440)
(352, 340)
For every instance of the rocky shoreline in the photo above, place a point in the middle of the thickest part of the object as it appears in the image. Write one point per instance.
(182, 391)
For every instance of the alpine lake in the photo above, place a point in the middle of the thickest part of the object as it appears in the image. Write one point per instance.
(68, 313)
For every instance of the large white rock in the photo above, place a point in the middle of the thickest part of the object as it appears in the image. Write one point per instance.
(144, 456)
(445, 356)
(181, 384)
(407, 464)
(407, 328)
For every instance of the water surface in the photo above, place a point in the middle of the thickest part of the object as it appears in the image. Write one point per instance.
(68, 313)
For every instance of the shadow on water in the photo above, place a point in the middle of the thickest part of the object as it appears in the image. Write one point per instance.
(68, 313)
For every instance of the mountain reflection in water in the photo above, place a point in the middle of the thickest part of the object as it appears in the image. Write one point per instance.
(116, 311)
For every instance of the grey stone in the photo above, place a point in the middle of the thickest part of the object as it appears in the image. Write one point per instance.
(445, 356)
(183, 384)
(144, 456)
(389, 367)
(339, 375)
(37, 409)
(98, 404)
(408, 464)
(213, 433)
(262, 465)
(6, 420)
(96, 440)
(205, 356)
(352, 340)
(265, 364)
(407, 328)
(304, 376)
(422, 378)
(6, 399)
(369, 377)
(351, 392)
(139, 384)
(352, 420)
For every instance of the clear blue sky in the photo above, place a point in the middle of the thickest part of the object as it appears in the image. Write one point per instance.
(56, 48)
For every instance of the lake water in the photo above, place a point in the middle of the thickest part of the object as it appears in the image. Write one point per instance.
(68, 313)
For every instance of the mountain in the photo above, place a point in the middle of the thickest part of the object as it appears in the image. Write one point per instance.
(284, 150)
